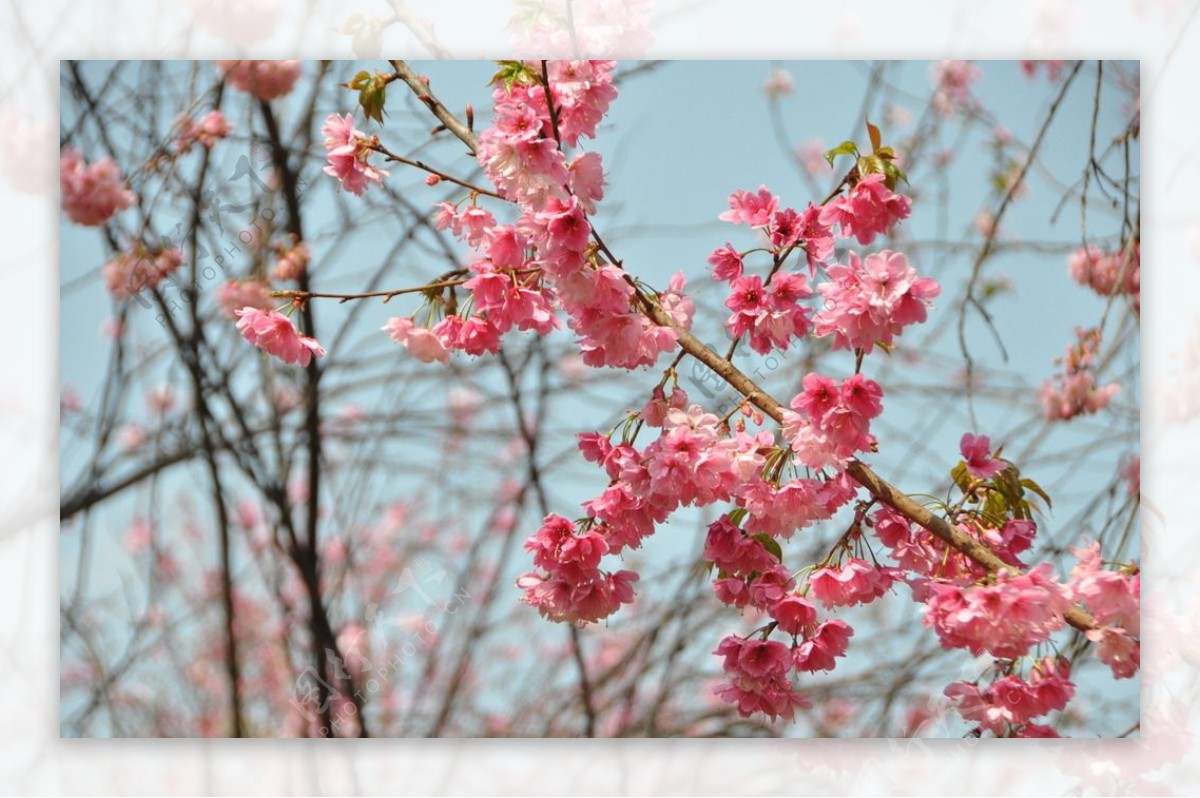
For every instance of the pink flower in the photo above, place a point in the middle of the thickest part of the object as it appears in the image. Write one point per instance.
(867, 210)
(583, 91)
(820, 652)
(573, 588)
(916, 549)
(1109, 273)
(213, 127)
(273, 332)
(726, 263)
(831, 423)
(755, 210)
(1012, 701)
(138, 268)
(91, 195)
(131, 436)
(1117, 649)
(160, 400)
(952, 80)
(854, 582)
(778, 83)
(523, 170)
(293, 260)
(1074, 391)
(977, 451)
(757, 672)
(1053, 69)
(586, 173)
(770, 315)
(732, 551)
(589, 601)
(1114, 597)
(871, 301)
(266, 80)
(138, 537)
(235, 294)
(794, 614)
(421, 342)
(69, 401)
(348, 154)
(1005, 618)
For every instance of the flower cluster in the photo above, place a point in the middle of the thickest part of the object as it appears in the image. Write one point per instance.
(869, 209)
(519, 152)
(266, 80)
(274, 333)
(291, 260)
(785, 228)
(869, 302)
(573, 588)
(829, 422)
(349, 150)
(91, 194)
(758, 681)
(130, 271)
(853, 582)
(779, 510)
(206, 131)
(952, 86)
(1114, 598)
(1109, 273)
(1004, 617)
(918, 550)
(546, 256)
(770, 314)
(1006, 706)
(1074, 392)
(750, 575)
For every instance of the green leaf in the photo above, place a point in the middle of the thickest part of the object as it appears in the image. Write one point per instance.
(512, 73)
(1036, 488)
(876, 139)
(995, 509)
(960, 476)
(845, 148)
(892, 174)
(1007, 481)
(871, 164)
(770, 544)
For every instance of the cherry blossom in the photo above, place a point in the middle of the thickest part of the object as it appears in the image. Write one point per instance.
(266, 80)
(868, 210)
(348, 153)
(1004, 617)
(206, 131)
(869, 302)
(274, 333)
(91, 193)
(129, 272)
(420, 341)
(977, 452)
